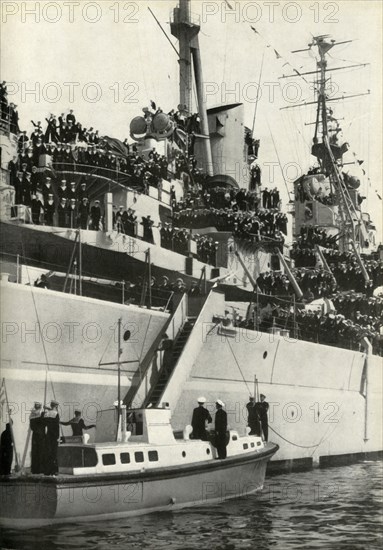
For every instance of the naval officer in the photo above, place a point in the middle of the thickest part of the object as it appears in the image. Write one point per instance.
(38, 438)
(199, 419)
(220, 429)
(253, 417)
(52, 435)
(262, 408)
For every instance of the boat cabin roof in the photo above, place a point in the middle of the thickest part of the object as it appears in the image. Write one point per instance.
(151, 426)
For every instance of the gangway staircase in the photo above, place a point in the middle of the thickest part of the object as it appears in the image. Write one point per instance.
(154, 375)
(155, 394)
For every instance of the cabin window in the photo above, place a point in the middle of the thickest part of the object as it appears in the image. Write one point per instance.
(125, 458)
(234, 438)
(183, 454)
(264, 354)
(258, 443)
(245, 446)
(139, 456)
(207, 451)
(251, 444)
(76, 457)
(153, 456)
(108, 459)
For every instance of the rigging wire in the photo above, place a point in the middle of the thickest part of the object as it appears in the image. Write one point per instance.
(47, 369)
(279, 160)
(239, 368)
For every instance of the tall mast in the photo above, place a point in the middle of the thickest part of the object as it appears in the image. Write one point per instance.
(329, 154)
(186, 28)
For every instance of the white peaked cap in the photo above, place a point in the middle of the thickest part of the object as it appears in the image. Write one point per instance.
(201, 400)
(219, 402)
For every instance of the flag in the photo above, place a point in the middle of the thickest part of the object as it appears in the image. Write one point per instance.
(116, 146)
(277, 54)
(2, 394)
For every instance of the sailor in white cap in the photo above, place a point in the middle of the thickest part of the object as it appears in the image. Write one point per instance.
(37, 427)
(220, 429)
(52, 424)
(77, 423)
(199, 419)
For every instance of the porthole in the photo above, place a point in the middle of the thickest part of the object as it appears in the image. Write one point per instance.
(207, 451)
(183, 454)
(264, 354)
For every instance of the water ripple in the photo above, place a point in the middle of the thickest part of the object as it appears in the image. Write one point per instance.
(339, 508)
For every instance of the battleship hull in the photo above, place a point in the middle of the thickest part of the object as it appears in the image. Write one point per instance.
(63, 347)
(326, 403)
(29, 502)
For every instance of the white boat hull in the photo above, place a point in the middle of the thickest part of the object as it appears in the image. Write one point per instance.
(33, 501)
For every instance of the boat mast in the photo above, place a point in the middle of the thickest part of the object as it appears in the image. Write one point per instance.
(186, 31)
(119, 373)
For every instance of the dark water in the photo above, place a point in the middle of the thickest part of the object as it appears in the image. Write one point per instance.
(321, 509)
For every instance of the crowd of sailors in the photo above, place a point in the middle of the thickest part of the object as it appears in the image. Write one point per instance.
(314, 283)
(314, 325)
(254, 226)
(66, 145)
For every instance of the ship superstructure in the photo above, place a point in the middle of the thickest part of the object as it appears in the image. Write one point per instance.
(187, 223)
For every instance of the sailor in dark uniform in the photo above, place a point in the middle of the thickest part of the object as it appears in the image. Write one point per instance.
(38, 439)
(36, 209)
(262, 407)
(95, 214)
(47, 189)
(72, 213)
(51, 421)
(83, 212)
(72, 193)
(62, 191)
(147, 223)
(199, 419)
(49, 210)
(62, 211)
(19, 188)
(253, 417)
(6, 451)
(82, 193)
(220, 429)
(27, 185)
(77, 423)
